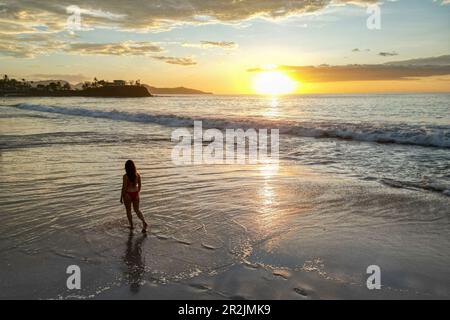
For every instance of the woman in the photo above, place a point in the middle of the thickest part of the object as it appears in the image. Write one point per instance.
(131, 187)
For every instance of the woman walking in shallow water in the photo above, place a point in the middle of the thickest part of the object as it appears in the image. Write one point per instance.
(131, 187)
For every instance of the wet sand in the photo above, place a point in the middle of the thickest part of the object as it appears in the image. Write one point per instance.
(318, 249)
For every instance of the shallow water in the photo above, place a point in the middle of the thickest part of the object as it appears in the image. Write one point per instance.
(338, 202)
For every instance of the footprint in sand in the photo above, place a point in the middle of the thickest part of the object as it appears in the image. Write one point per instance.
(200, 287)
(301, 292)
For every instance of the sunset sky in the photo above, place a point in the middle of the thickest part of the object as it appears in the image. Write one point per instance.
(221, 46)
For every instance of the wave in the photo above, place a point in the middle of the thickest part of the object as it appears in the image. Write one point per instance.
(434, 186)
(431, 136)
(23, 141)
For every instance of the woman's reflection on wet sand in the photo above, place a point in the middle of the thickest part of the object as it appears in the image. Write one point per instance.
(134, 262)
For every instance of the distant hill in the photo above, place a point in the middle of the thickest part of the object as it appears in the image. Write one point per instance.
(178, 90)
(77, 86)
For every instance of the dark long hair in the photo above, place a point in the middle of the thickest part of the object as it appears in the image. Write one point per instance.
(131, 171)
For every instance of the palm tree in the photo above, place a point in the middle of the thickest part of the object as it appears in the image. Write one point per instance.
(5, 81)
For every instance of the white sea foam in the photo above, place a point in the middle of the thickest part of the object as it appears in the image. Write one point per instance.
(429, 136)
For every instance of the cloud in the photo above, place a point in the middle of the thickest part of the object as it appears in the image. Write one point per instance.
(360, 50)
(30, 45)
(49, 16)
(175, 60)
(126, 48)
(27, 45)
(388, 54)
(144, 14)
(432, 61)
(397, 70)
(228, 45)
(220, 44)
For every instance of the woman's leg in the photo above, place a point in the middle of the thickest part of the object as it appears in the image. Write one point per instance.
(139, 214)
(127, 203)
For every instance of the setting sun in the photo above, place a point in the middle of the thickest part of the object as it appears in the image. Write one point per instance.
(273, 83)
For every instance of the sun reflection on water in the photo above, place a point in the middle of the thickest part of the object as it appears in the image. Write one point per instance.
(272, 111)
(268, 198)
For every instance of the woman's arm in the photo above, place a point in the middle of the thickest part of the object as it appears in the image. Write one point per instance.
(122, 193)
(139, 183)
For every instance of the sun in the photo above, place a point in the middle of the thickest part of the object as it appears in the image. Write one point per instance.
(273, 82)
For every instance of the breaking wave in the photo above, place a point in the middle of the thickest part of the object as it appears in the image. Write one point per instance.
(427, 136)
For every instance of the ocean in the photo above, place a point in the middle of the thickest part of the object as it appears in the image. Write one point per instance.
(362, 180)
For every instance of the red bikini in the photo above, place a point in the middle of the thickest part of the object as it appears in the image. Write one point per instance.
(133, 194)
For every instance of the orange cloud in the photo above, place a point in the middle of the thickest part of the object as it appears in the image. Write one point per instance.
(401, 70)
